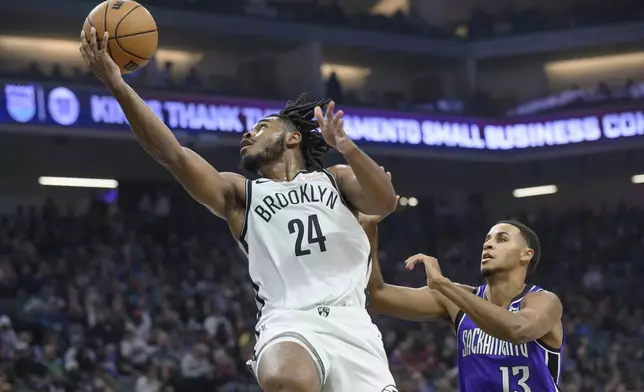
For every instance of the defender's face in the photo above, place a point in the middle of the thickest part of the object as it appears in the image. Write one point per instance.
(503, 249)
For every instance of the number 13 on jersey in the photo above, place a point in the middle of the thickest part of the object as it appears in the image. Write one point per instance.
(521, 373)
(313, 232)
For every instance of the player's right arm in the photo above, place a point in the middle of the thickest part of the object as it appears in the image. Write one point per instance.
(220, 192)
(201, 180)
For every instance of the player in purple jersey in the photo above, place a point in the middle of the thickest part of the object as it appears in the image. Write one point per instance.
(510, 333)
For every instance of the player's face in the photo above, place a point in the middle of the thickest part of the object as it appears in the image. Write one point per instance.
(264, 144)
(504, 250)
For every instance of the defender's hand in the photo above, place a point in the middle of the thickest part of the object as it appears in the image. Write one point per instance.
(98, 60)
(365, 219)
(433, 270)
(332, 128)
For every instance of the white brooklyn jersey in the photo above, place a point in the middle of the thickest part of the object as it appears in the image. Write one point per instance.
(305, 248)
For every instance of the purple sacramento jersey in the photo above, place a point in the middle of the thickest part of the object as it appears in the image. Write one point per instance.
(487, 364)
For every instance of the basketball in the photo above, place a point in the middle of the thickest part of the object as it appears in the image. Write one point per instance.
(133, 35)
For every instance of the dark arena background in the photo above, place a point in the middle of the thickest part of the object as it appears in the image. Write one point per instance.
(482, 110)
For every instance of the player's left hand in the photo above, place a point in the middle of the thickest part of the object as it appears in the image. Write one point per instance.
(332, 128)
(98, 60)
(433, 270)
(365, 219)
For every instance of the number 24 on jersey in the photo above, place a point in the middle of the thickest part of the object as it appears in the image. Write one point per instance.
(311, 229)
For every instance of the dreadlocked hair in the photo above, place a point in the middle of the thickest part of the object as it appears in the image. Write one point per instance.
(300, 114)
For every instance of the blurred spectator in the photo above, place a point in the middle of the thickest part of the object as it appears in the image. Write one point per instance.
(334, 89)
(57, 72)
(218, 326)
(145, 205)
(593, 278)
(134, 351)
(53, 365)
(163, 355)
(8, 339)
(193, 80)
(167, 74)
(196, 369)
(162, 206)
(149, 381)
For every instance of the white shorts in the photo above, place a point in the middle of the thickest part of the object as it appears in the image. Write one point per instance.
(342, 341)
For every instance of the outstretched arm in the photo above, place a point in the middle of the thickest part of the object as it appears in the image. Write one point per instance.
(217, 191)
(201, 180)
(407, 303)
(362, 182)
(540, 311)
(539, 314)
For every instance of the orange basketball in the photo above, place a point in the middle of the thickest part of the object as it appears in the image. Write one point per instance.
(132, 29)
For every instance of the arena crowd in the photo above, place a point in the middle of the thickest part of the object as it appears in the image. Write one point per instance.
(155, 297)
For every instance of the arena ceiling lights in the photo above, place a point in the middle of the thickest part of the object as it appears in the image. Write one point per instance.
(535, 191)
(638, 179)
(76, 182)
(408, 201)
(66, 50)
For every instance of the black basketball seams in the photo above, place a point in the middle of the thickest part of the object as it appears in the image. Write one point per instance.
(107, 7)
(135, 34)
(116, 41)
(116, 36)
(116, 29)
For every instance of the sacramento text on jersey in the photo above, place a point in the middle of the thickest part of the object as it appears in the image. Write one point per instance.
(477, 342)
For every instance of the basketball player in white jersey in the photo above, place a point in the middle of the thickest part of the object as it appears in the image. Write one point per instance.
(308, 256)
